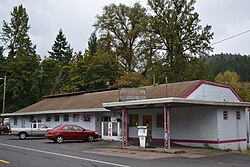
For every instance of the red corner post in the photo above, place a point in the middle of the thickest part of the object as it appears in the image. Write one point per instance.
(168, 123)
(123, 110)
(166, 127)
(126, 126)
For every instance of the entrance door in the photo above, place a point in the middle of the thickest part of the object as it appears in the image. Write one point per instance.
(147, 121)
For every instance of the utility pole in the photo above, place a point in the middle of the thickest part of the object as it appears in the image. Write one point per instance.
(4, 94)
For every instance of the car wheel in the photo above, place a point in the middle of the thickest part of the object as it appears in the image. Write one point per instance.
(59, 139)
(1, 132)
(91, 138)
(22, 135)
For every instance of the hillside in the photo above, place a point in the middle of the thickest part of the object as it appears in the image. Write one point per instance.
(220, 63)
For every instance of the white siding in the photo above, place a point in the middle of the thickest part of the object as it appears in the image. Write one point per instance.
(213, 93)
(192, 123)
(87, 125)
(248, 126)
(197, 123)
(232, 128)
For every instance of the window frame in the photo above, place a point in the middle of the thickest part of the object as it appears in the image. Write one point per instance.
(76, 119)
(55, 116)
(159, 116)
(133, 120)
(15, 121)
(65, 116)
(48, 118)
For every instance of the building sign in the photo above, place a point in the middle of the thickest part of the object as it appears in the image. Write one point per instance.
(126, 94)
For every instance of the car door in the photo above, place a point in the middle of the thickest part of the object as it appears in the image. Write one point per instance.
(41, 130)
(79, 133)
(68, 133)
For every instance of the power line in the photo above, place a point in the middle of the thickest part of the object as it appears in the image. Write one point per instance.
(244, 32)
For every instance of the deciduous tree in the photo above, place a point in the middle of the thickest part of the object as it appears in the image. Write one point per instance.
(176, 24)
(124, 25)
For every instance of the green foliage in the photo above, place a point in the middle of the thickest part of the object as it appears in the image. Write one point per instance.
(22, 66)
(59, 59)
(94, 72)
(124, 25)
(61, 50)
(246, 88)
(15, 34)
(232, 78)
(181, 37)
(92, 44)
(131, 80)
(23, 87)
(220, 63)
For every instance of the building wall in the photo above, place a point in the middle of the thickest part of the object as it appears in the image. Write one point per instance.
(248, 126)
(157, 132)
(91, 125)
(199, 127)
(213, 93)
(191, 123)
(194, 123)
(232, 128)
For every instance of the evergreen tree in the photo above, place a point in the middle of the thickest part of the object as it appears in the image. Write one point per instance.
(15, 34)
(61, 50)
(221, 63)
(59, 58)
(22, 67)
(92, 44)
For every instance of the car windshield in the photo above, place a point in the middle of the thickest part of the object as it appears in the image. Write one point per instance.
(47, 125)
(56, 127)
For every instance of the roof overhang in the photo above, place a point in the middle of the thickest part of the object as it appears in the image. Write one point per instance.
(92, 110)
(173, 101)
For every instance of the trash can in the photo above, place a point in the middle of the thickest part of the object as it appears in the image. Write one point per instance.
(142, 134)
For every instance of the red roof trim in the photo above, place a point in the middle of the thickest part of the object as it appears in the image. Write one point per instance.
(213, 83)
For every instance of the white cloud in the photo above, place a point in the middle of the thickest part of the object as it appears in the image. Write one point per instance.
(227, 17)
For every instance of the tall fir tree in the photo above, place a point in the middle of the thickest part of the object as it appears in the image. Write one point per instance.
(22, 67)
(15, 34)
(60, 57)
(92, 44)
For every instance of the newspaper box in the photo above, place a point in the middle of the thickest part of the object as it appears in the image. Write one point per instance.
(142, 134)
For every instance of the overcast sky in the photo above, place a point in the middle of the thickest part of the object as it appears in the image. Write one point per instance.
(76, 17)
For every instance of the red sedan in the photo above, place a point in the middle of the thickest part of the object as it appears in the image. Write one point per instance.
(71, 132)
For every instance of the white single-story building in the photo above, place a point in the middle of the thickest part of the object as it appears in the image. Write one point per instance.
(193, 113)
(197, 113)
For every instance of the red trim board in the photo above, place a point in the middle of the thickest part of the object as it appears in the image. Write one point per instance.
(196, 141)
